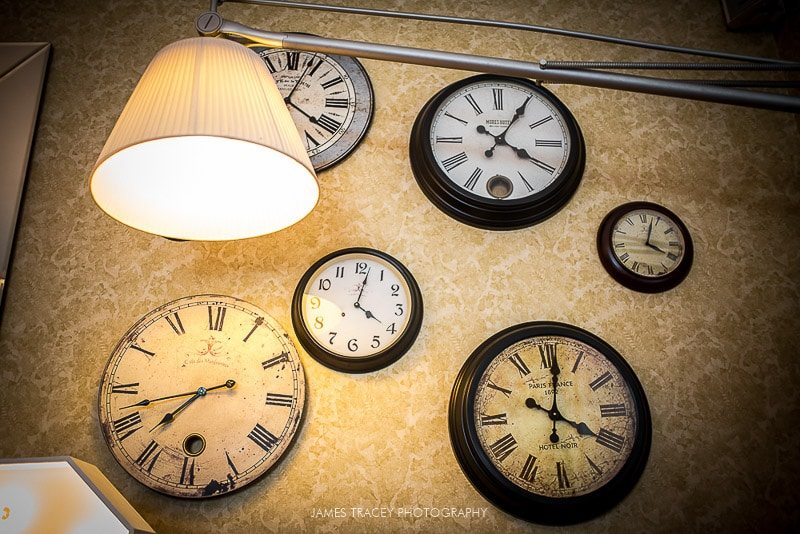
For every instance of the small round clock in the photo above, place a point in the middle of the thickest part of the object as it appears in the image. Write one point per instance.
(496, 152)
(357, 310)
(645, 247)
(549, 423)
(201, 396)
(329, 97)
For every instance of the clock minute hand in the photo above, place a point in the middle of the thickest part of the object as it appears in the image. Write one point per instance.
(147, 402)
(201, 392)
(288, 97)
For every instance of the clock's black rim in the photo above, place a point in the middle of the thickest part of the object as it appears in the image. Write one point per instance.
(353, 141)
(105, 430)
(628, 278)
(493, 214)
(491, 483)
(366, 364)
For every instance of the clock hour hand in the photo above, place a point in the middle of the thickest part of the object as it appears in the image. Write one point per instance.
(367, 312)
(147, 402)
(201, 392)
(582, 428)
(309, 117)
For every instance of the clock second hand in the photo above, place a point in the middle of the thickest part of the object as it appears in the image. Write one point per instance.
(201, 392)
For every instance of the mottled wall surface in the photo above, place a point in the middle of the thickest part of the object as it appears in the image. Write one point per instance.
(717, 356)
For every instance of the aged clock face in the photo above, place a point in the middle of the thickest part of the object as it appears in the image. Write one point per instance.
(554, 413)
(201, 396)
(357, 310)
(330, 99)
(645, 246)
(497, 152)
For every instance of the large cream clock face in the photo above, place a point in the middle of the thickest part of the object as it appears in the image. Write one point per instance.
(330, 99)
(201, 396)
(357, 310)
(550, 423)
(555, 416)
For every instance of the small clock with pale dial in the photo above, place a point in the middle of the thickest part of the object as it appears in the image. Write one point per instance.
(645, 247)
(357, 310)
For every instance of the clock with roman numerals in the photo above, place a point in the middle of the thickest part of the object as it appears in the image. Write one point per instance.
(330, 98)
(645, 247)
(201, 396)
(496, 152)
(550, 423)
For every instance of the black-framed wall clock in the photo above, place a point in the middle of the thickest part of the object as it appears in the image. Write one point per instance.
(201, 396)
(357, 310)
(549, 423)
(645, 247)
(496, 152)
(330, 99)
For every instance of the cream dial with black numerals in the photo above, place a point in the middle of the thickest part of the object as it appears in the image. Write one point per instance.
(500, 140)
(330, 99)
(357, 310)
(648, 242)
(560, 442)
(201, 396)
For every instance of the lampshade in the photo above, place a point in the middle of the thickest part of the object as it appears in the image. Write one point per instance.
(205, 149)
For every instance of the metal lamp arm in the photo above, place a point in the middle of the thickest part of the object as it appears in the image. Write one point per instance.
(211, 24)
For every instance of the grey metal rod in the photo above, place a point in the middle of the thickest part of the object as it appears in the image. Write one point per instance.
(508, 67)
(516, 26)
(661, 65)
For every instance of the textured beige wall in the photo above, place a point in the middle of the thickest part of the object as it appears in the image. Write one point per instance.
(717, 356)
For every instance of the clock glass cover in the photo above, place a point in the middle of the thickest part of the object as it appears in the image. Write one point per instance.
(497, 152)
(550, 423)
(357, 310)
(201, 396)
(645, 247)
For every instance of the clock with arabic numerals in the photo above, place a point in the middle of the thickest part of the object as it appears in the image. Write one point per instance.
(330, 99)
(357, 310)
(549, 423)
(201, 396)
(496, 152)
(645, 247)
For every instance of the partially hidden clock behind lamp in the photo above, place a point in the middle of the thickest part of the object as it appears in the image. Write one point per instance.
(201, 396)
(496, 152)
(330, 99)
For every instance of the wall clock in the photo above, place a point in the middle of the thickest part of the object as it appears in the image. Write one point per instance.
(357, 310)
(549, 423)
(201, 396)
(497, 152)
(645, 247)
(329, 97)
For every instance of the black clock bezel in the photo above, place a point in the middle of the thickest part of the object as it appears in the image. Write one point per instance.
(352, 66)
(366, 364)
(486, 213)
(625, 276)
(491, 483)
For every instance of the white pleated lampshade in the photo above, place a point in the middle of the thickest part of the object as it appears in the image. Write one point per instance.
(205, 149)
